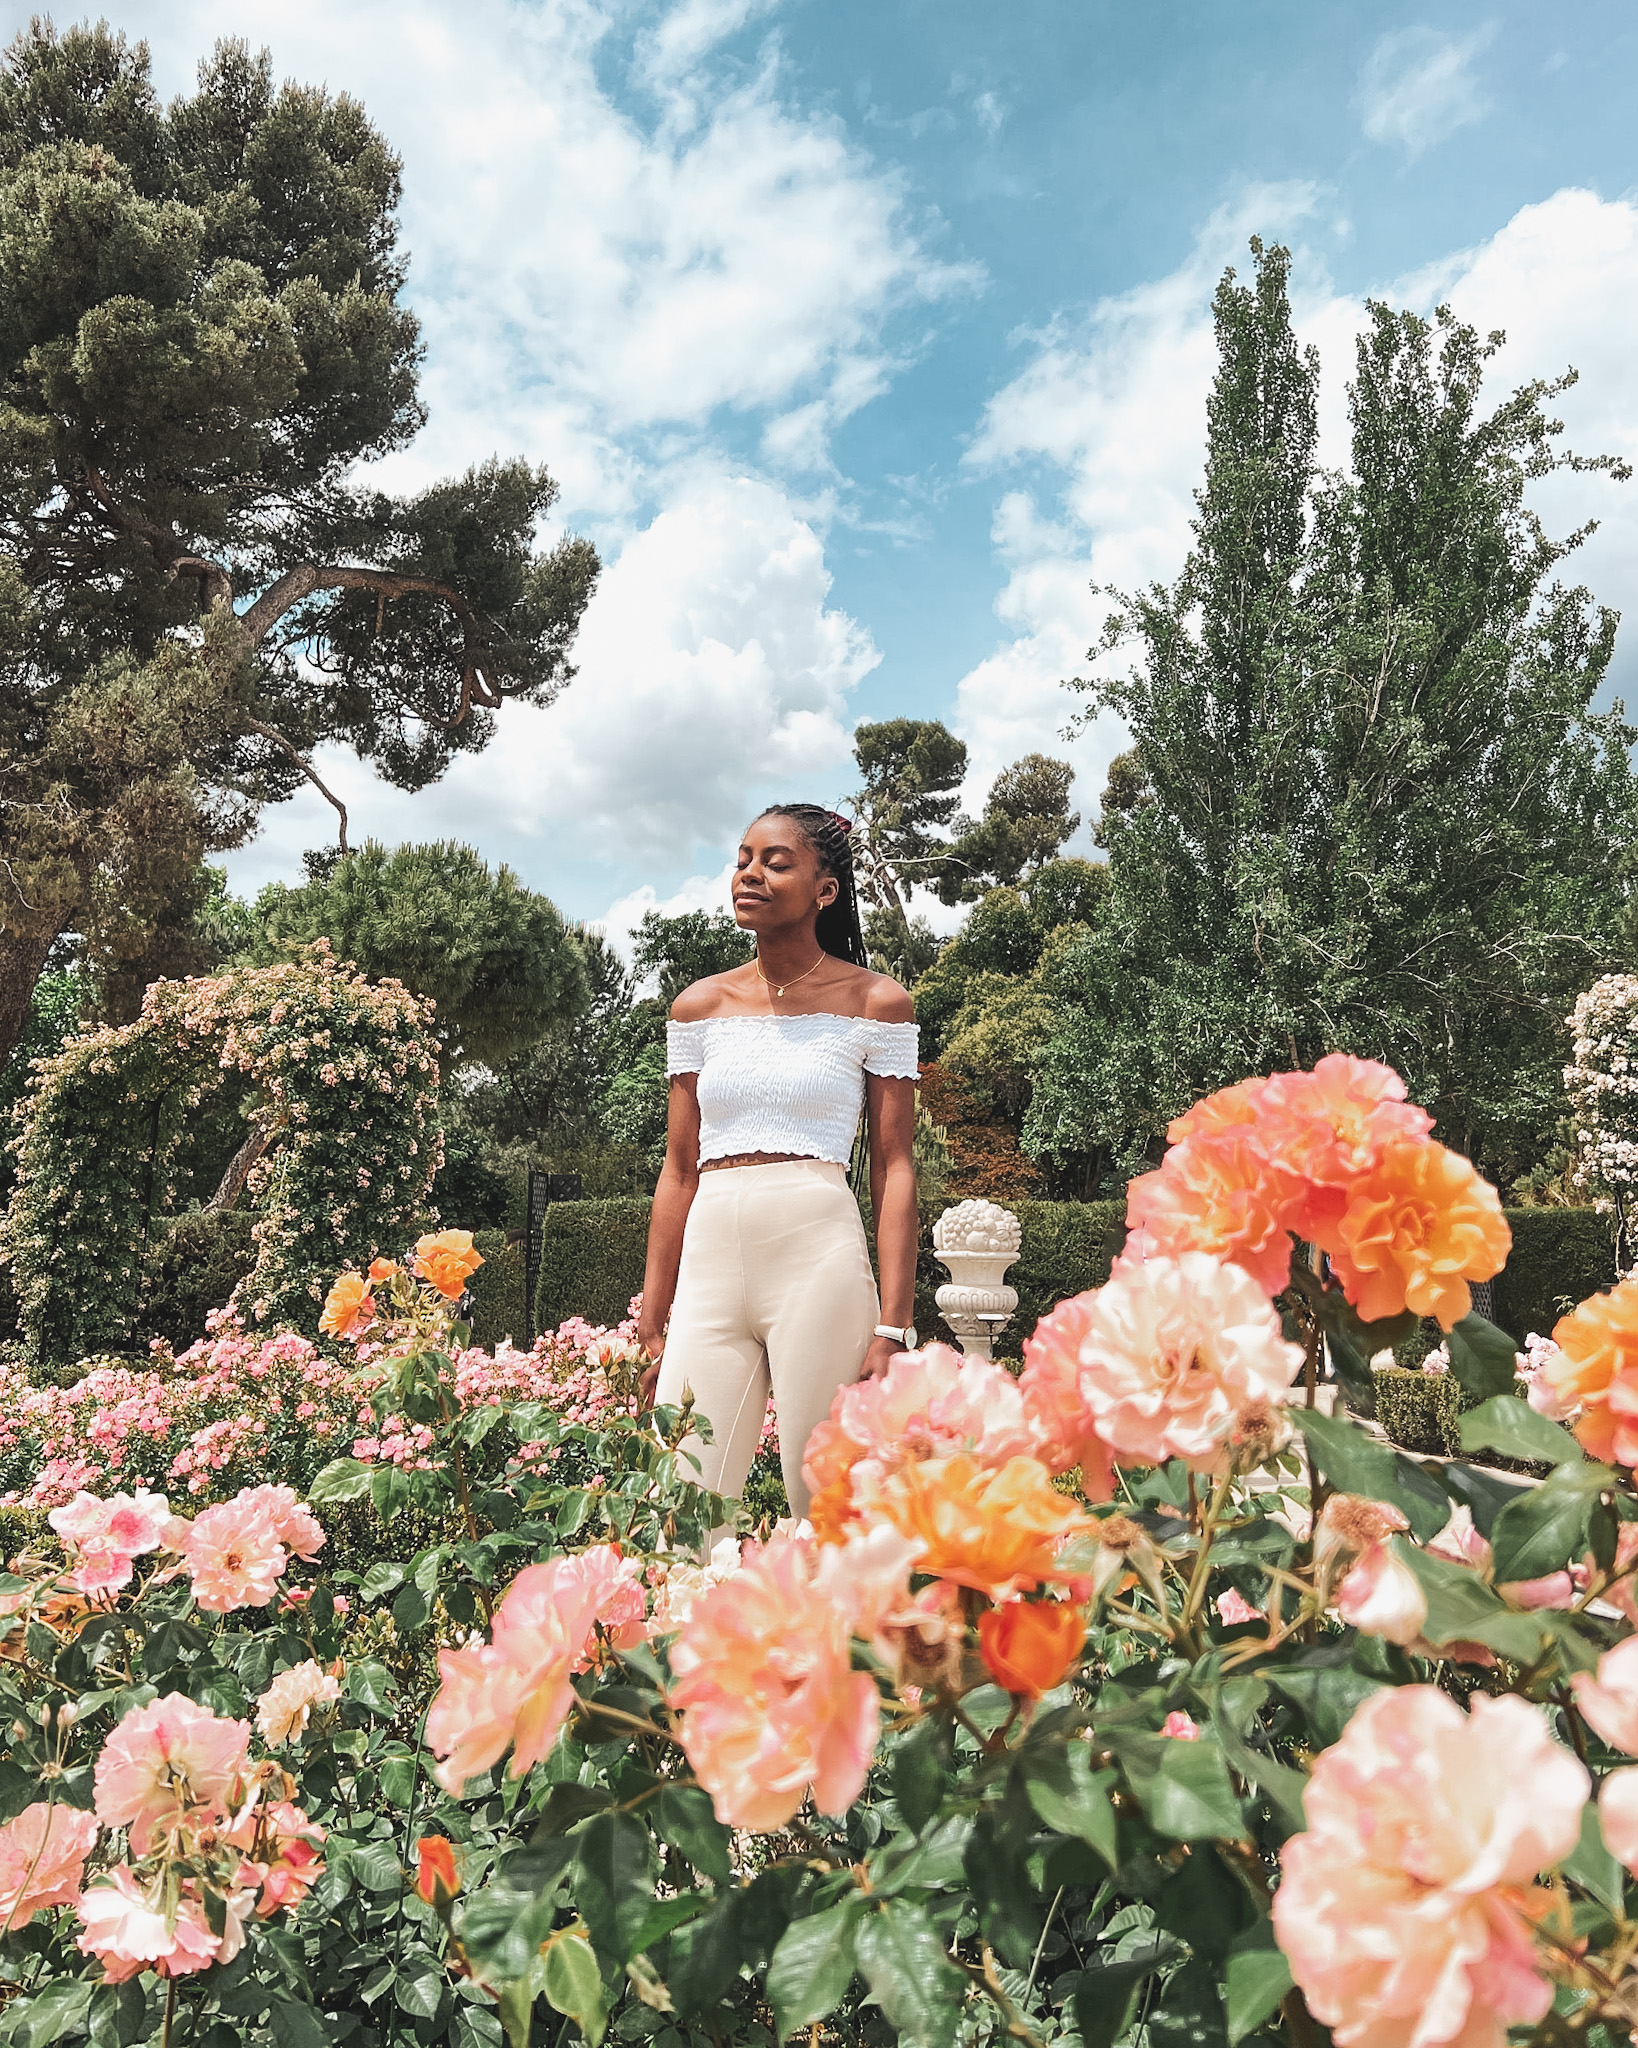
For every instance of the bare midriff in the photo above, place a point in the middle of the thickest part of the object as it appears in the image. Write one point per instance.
(754, 1159)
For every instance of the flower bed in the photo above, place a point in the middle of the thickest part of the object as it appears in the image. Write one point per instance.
(1130, 1698)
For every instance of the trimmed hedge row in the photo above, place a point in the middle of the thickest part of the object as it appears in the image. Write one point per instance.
(499, 1300)
(1419, 1410)
(1559, 1257)
(592, 1256)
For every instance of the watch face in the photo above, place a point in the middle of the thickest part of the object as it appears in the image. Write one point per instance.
(910, 1338)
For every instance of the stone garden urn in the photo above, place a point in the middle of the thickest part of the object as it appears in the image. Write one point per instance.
(977, 1241)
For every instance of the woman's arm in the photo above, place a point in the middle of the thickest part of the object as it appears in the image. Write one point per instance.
(673, 1197)
(893, 1201)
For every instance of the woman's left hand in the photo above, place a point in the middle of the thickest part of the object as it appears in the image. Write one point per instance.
(882, 1352)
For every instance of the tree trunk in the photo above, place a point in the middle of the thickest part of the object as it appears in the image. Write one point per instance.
(238, 1169)
(22, 959)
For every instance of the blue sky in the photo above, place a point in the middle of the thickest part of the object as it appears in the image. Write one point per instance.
(865, 337)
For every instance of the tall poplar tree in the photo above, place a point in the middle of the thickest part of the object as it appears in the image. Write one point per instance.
(202, 348)
(1369, 805)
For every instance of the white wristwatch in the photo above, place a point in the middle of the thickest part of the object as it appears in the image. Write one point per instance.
(905, 1337)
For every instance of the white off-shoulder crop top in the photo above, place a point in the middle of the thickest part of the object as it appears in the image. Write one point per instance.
(786, 1084)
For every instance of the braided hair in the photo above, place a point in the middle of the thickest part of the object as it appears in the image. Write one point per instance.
(837, 928)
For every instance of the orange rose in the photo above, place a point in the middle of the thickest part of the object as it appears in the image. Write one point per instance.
(999, 1531)
(349, 1307)
(1598, 1368)
(1027, 1646)
(1418, 1227)
(382, 1269)
(446, 1259)
(435, 1870)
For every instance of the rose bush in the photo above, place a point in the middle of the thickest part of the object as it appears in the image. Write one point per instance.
(1138, 1698)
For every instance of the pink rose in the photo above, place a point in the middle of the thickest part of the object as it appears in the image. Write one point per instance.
(128, 1929)
(42, 1860)
(1054, 1402)
(234, 1557)
(1403, 1908)
(1176, 1354)
(1180, 1727)
(1381, 1597)
(1233, 1608)
(771, 1706)
(1608, 1699)
(107, 1535)
(1618, 1815)
(164, 1760)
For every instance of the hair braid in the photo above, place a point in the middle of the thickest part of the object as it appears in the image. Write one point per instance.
(837, 929)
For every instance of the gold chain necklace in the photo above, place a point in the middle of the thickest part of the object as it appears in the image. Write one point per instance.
(795, 978)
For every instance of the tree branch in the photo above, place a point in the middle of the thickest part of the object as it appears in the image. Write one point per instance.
(304, 763)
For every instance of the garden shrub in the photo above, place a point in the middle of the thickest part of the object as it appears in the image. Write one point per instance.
(342, 1075)
(1418, 1410)
(1559, 1257)
(205, 1255)
(591, 1260)
(499, 1311)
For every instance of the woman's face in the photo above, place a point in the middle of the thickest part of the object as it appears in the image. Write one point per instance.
(779, 883)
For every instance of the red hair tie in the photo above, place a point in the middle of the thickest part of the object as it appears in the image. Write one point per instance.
(845, 823)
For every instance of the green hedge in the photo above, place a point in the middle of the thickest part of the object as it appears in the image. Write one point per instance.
(1418, 1410)
(209, 1252)
(591, 1260)
(592, 1256)
(499, 1301)
(1559, 1257)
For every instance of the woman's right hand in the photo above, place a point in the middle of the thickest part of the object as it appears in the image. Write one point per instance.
(649, 1377)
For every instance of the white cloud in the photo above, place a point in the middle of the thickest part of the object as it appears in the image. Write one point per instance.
(1110, 414)
(619, 922)
(1418, 86)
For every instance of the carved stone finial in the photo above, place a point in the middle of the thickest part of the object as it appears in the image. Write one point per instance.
(977, 1241)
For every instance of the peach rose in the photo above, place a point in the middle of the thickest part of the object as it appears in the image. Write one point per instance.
(1417, 1228)
(446, 1260)
(165, 1760)
(1176, 1353)
(1224, 1193)
(349, 1308)
(42, 1860)
(234, 1557)
(1597, 1370)
(1608, 1698)
(771, 1706)
(515, 1691)
(1382, 1596)
(1404, 1908)
(1029, 1646)
(999, 1532)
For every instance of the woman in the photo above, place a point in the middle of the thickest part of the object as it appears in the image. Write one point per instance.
(755, 1248)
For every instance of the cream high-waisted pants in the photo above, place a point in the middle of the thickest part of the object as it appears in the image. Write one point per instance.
(775, 1287)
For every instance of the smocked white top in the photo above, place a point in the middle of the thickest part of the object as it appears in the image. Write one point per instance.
(786, 1084)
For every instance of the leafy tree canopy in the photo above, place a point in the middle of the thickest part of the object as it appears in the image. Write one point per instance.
(1026, 820)
(202, 348)
(1369, 805)
(495, 958)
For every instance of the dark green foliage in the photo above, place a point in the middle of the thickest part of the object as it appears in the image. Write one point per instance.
(1559, 1257)
(912, 770)
(1371, 806)
(53, 1012)
(678, 951)
(591, 1260)
(468, 1192)
(1026, 819)
(495, 957)
(1005, 934)
(1068, 1247)
(499, 1303)
(206, 1255)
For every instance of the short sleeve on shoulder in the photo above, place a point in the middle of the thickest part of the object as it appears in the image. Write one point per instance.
(892, 1051)
(684, 1048)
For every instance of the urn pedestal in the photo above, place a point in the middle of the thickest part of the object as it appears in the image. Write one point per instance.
(976, 1242)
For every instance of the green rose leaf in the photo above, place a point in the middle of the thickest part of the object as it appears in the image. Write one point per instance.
(1591, 1865)
(684, 1816)
(613, 1882)
(911, 1978)
(1357, 1463)
(1513, 1427)
(812, 1966)
(341, 1479)
(1546, 1527)
(1256, 1976)
(1068, 1795)
(574, 1986)
(1483, 1358)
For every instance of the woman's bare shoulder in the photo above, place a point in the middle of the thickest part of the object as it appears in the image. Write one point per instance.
(718, 995)
(887, 1001)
